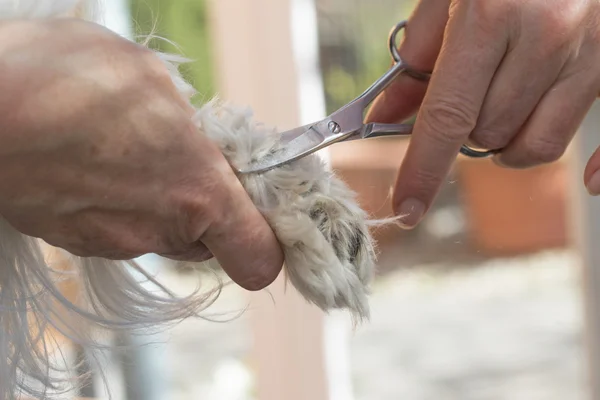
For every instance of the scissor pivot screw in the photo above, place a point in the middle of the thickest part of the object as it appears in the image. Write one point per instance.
(334, 127)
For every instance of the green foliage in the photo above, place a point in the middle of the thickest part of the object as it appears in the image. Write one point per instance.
(183, 22)
(372, 22)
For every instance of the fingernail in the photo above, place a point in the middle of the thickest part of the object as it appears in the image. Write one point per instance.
(593, 185)
(411, 212)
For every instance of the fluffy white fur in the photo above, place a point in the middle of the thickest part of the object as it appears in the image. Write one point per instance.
(328, 248)
(329, 254)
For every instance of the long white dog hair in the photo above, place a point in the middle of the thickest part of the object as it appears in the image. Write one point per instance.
(329, 252)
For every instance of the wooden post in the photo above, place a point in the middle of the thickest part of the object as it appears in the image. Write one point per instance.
(586, 234)
(257, 65)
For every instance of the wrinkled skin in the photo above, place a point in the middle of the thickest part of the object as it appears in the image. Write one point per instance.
(507, 74)
(100, 157)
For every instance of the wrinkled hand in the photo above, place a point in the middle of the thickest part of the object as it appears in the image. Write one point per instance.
(507, 74)
(99, 156)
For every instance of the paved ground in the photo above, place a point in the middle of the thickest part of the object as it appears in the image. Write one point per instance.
(503, 331)
(506, 330)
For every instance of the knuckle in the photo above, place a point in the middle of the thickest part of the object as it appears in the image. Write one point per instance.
(558, 37)
(491, 13)
(556, 25)
(561, 17)
(447, 121)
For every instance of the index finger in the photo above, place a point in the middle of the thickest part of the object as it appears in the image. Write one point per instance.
(468, 59)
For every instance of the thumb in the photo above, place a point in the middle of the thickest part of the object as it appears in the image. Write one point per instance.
(591, 174)
(423, 37)
(241, 239)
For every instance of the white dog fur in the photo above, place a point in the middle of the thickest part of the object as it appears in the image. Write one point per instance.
(329, 252)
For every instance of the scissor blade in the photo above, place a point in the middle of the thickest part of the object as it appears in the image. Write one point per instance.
(288, 136)
(295, 144)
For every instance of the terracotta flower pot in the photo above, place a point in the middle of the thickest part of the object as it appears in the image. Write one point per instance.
(511, 212)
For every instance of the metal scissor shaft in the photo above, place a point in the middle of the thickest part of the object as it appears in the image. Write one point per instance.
(378, 130)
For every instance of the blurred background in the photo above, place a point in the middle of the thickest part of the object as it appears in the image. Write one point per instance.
(484, 300)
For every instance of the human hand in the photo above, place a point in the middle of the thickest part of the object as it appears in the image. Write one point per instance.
(513, 75)
(100, 156)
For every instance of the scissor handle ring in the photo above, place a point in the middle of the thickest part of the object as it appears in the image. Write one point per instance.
(425, 76)
(419, 75)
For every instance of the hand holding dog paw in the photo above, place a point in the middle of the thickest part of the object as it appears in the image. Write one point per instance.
(99, 156)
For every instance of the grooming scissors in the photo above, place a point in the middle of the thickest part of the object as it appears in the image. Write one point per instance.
(347, 123)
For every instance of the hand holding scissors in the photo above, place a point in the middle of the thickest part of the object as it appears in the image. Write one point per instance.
(347, 123)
